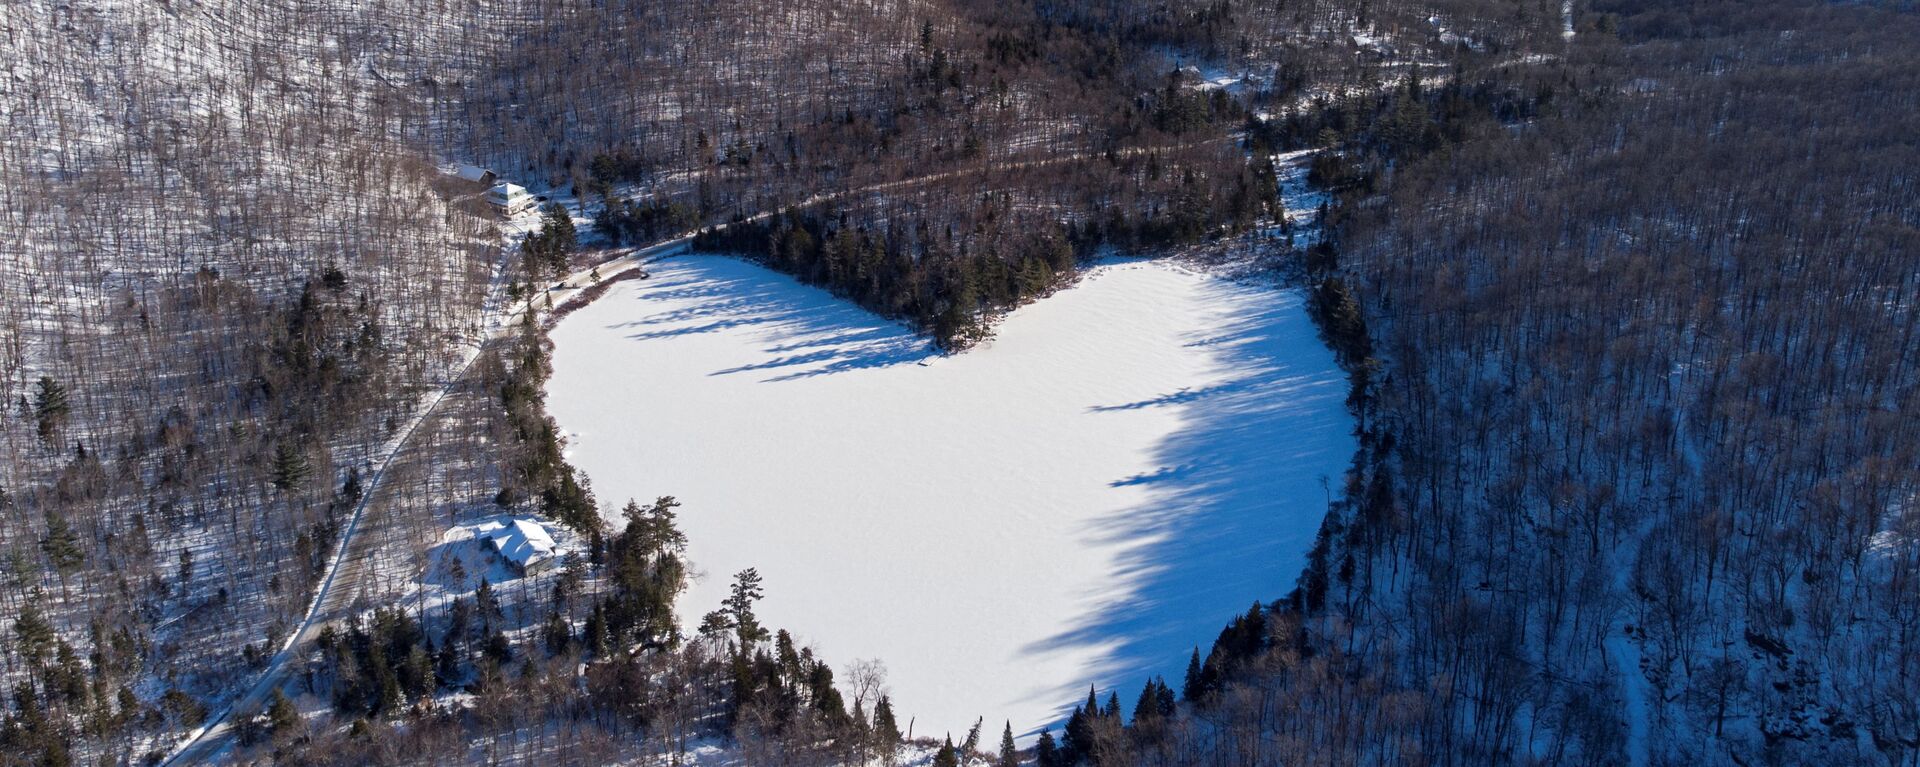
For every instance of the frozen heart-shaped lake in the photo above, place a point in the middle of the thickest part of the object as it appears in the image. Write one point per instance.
(1126, 466)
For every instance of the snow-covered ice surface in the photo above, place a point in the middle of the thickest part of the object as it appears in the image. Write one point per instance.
(1127, 465)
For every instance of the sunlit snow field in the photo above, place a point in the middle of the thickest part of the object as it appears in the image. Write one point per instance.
(1127, 465)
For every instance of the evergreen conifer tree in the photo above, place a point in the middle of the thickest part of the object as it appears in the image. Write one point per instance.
(1147, 709)
(1046, 753)
(972, 743)
(282, 717)
(33, 632)
(598, 639)
(862, 728)
(1190, 689)
(50, 407)
(1078, 742)
(1009, 753)
(946, 756)
(488, 605)
(351, 489)
(290, 467)
(67, 681)
(62, 546)
(739, 606)
(886, 731)
(558, 634)
(826, 699)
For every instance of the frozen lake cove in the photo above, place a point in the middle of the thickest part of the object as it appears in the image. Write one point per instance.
(1083, 500)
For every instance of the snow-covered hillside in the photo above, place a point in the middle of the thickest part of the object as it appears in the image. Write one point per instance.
(1128, 465)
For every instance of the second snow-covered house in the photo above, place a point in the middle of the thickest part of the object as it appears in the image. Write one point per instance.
(475, 174)
(525, 545)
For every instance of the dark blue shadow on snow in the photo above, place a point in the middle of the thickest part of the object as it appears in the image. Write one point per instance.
(809, 331)
(1235, 505)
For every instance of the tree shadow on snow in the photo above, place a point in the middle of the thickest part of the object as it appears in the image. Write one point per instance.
(806, 331)
(1235, 503)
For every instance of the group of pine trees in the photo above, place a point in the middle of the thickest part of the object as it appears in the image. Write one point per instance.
(535, 469)
(903, 276)
(379, 665)
(549, 252)
(639, 222)
(645, 572)
(60, 679)
(949, 271)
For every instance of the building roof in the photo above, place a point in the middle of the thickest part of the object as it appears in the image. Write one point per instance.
(473, 173)
(504, 189)
(521, 541)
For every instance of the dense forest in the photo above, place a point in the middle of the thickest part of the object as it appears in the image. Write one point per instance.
(1631, 339)
(1625, 291)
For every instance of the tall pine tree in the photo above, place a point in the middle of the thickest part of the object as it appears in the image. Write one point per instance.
(290, 468)
(886, 731)
(739, 605)
(1046, 753)
(62, 546)
(946, 756)
(1190, 688)
(50, 408)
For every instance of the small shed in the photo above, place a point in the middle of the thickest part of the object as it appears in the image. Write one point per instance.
(524, 544)
(509, 198)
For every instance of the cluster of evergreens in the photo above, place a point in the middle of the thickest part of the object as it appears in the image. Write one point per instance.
(1178, 110)
(620, 166)
(645, 573)
(549, 252)
(623, 220)
(536, 470)
(380, 664)
(913, 278)
(948, 272)
(62, 680)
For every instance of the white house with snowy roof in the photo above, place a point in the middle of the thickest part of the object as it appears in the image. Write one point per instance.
(509, 198)
(524, 544)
